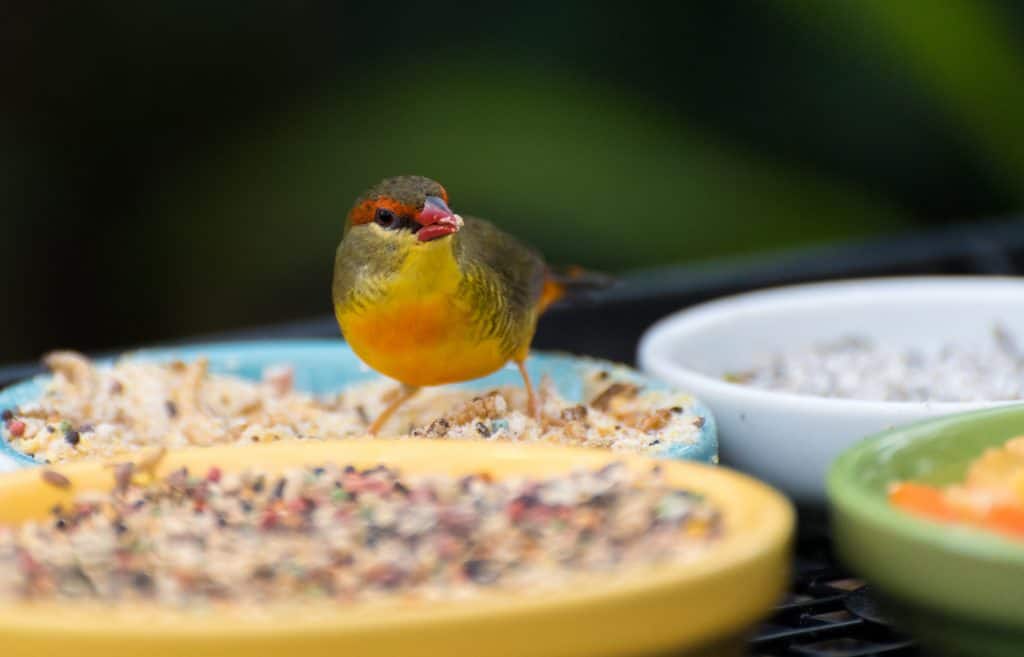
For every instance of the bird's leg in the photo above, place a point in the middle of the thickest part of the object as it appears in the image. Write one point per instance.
(532, 407)
(405, 393)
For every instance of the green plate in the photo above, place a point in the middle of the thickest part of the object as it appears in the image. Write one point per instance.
(958, 588)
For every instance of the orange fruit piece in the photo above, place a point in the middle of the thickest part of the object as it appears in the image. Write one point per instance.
(924, 500)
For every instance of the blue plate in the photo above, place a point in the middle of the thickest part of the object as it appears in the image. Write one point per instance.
(328, 365)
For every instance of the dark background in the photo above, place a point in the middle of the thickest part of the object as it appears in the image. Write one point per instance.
(180, 167)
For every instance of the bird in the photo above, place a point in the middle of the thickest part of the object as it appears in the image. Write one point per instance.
(428, 297)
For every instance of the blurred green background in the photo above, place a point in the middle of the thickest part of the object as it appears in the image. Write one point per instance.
(179, 167)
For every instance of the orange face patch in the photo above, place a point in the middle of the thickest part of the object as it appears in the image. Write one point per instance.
(364, 212)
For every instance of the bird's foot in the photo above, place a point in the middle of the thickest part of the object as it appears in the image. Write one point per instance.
(533, 407)
(378, 424)
(405, 393)
(532, 403)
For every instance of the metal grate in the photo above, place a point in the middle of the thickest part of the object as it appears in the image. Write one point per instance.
(828, 613)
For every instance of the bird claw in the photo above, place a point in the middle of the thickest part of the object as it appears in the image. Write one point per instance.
(533, 409)
(405, 393)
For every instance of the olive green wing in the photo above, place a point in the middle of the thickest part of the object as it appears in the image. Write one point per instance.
(503, 281)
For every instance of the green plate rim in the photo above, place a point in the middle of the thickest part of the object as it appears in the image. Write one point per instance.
(848, 495)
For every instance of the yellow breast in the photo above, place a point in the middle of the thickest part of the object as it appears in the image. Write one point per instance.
(420, 332)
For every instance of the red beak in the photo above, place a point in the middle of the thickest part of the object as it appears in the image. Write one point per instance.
(436, 219)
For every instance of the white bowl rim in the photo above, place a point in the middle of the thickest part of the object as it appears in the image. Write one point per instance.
(660, 337)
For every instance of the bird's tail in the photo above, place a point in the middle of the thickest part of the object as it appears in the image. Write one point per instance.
(571, 282)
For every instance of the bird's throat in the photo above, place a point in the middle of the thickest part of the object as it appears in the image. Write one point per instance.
(429, 268)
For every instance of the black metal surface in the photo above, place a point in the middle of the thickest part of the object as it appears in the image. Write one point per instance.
(827, 613)
(611, 326)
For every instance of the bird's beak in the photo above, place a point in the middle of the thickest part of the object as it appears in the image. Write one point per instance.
(436, 220)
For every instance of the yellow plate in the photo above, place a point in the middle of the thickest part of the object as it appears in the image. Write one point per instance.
(703, 607)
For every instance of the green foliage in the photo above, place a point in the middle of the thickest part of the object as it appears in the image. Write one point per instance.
(172, 168)
(965, 54)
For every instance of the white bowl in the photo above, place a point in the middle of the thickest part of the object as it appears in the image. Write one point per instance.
(788, 439)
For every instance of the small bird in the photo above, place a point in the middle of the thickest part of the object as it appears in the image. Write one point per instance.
(428, 297)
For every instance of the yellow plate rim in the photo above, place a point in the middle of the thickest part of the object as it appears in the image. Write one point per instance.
(758, 531)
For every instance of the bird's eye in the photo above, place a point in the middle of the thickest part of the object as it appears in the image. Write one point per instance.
(385, 218)
(390, 220)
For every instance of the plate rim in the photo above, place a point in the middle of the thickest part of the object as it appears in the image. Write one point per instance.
(704, 448)
(754, 558)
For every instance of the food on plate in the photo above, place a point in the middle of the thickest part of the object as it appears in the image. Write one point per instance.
(991, 496)
(344, 534)
(859, 368)
(88, 410)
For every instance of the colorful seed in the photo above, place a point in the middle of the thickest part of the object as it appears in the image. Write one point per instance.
(324, 542)
(123, 476)
(56, 479)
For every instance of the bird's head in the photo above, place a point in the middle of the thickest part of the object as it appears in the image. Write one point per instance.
(407, 208)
